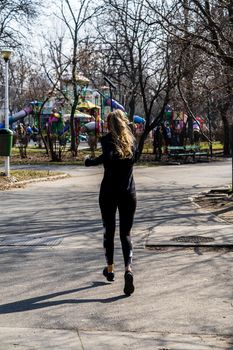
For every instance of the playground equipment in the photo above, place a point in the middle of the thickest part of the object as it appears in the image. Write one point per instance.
(87, 115)
(178, 122)
(19, 115)
(56, 123)
(172, 138)
(138, 120)
(90, 126)
(87, 105)
(108, 101)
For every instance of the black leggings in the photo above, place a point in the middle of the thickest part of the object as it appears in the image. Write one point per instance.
(126, 204)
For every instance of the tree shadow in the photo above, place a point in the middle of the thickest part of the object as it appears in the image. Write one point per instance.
(42, 301)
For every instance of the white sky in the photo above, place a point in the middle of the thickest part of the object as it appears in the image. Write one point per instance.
(47, 24)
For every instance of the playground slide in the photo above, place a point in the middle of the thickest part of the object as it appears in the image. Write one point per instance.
(90, 126)
(115, 104)
(19, 115)
(138, 120)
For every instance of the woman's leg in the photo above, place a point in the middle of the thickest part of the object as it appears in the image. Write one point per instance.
(127, 206)
(108, 207)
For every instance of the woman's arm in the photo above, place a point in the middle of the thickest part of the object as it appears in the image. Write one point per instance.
(94, 161)
(106, 155)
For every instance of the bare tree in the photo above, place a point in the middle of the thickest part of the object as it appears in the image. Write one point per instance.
(200, 28)
(207, 25)
(27, 82)
(137, 57)
(74, 21)
(14, 15)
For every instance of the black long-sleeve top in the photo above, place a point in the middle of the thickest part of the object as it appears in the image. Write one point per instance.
(118, 173)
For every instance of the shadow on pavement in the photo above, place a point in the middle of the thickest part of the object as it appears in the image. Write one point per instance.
(41, 301)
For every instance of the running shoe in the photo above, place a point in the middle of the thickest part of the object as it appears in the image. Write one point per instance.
(129, 287)
(110, 276)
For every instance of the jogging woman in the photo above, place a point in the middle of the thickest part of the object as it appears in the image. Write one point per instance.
(117, 191)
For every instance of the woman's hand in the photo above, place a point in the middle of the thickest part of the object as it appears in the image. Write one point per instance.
(87, 160)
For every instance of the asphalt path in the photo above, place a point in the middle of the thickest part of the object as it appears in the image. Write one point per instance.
(53, 294)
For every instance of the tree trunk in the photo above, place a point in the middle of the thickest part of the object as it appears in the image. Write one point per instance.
(131, 108)
(142, 141)
(226, 141)
(74, 146)
(72, 136)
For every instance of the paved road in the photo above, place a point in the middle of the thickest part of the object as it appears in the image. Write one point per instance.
(53, 295)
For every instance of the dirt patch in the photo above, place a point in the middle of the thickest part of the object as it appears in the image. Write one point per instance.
(219, 202)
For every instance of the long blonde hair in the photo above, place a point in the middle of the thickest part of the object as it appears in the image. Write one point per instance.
(122, 136)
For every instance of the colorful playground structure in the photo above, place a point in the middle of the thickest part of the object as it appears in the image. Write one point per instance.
(175, 127)
(19, 115)
(172, 136)
(90, 121)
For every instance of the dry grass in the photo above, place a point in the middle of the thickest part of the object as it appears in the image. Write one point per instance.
(18, 177)
(38, 156)
(219, 203)
(35, 156)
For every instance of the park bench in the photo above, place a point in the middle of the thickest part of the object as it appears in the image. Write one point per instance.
(180, 153)
(184, 152)
(197, 151)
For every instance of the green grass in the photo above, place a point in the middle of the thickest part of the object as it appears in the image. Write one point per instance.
(216, 145)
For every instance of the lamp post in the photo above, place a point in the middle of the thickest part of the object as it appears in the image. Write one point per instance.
(81, 85)
(210, 125)
(232, 157)
(111, 86)
(6, 54)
